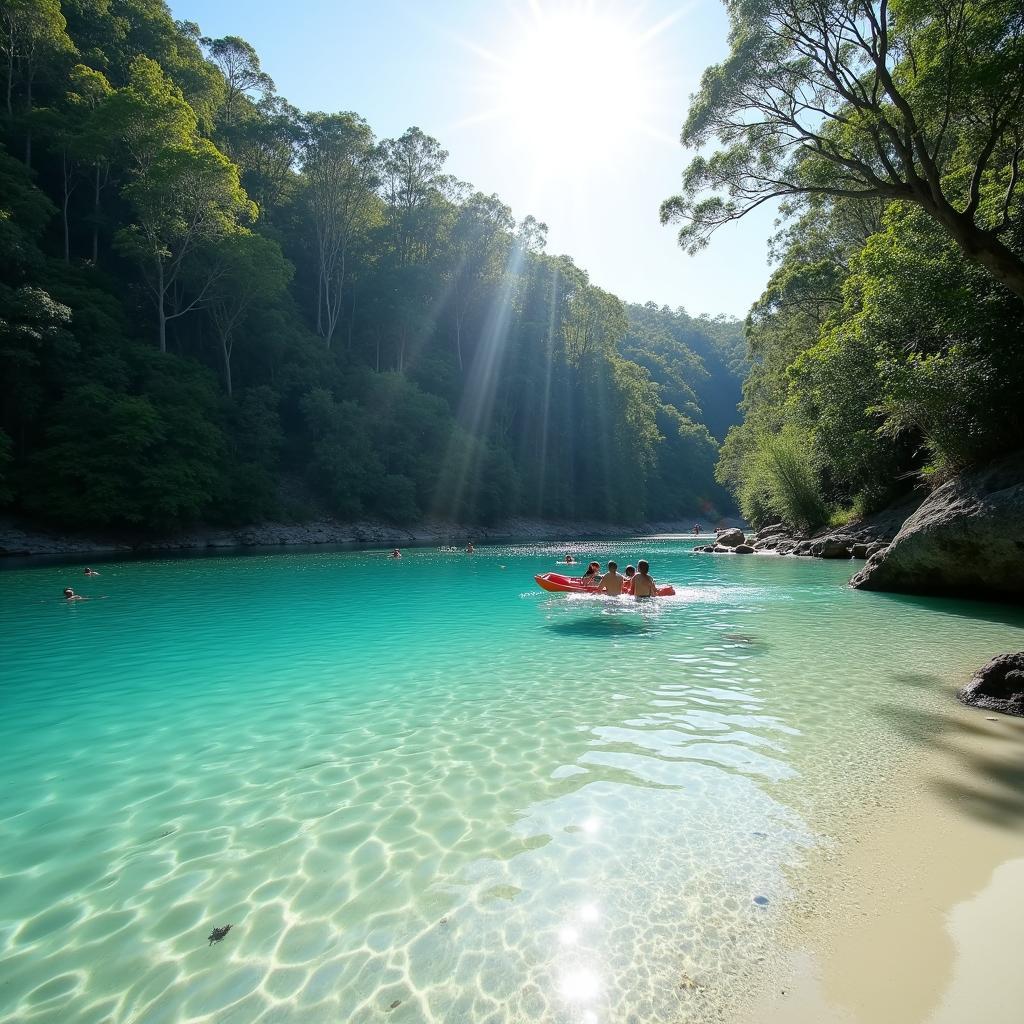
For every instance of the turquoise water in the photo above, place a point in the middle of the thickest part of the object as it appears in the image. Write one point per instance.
(424, 790)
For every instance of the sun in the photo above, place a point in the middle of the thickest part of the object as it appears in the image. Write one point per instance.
(572, 81)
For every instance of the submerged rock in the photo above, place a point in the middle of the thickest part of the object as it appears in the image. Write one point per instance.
(218, 933)
(967, 537)
(998, 686)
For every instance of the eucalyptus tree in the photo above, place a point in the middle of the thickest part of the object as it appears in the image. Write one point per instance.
(480, 242)
(339, 178)
(239, 64)
(246, 269)
(183, 192)
(89, 92)
(414, 188)
(266, 144)
(33, 34)
(593, 321)
(913, 100)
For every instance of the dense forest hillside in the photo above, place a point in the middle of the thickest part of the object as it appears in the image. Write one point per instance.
(215, 306)
(888, 348)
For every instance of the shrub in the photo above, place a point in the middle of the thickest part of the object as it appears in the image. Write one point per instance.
(778, 478)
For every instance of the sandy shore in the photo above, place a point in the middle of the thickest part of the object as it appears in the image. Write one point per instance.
(921, 921)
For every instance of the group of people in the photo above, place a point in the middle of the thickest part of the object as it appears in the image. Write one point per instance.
(636, 581)
(70, 595)
(470, 550)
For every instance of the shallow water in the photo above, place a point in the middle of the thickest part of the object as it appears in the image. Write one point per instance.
(424, 790)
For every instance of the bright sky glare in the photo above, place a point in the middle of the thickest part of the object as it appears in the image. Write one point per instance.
(567, 109)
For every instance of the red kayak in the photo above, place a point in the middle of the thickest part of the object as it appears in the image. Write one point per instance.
(556, 582)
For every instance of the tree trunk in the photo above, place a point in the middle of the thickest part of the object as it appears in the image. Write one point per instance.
(351, 322)
(161, 292)
(96, 218)
(225, 348)
(28, 124)
(984, 248)
(10, 79)
(64, 208)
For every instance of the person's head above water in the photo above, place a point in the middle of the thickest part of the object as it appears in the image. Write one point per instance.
(630, 571)
(642, 567)
(613, 566)
(68, 592)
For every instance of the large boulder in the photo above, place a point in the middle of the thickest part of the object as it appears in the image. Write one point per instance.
(966, 538)
(730, 538)
(833, 547)
(998, 686)
(743, 549)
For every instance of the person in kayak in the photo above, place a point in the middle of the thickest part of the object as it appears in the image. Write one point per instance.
(592, 577)
(611, 583)
(643, 585)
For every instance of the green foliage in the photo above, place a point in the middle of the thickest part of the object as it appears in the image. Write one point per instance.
(779, 481)
(918, 101)
(217, 307)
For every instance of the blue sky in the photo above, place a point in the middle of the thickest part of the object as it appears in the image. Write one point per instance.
(568, 109)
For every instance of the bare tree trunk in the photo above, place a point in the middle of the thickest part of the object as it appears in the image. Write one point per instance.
(160, 296)
(10, 78)
(458, 338)
(351, 322)
(28, 120)
(64, 208)
(225, 347)
(96, 218)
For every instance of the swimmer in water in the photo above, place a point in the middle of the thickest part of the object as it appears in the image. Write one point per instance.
(612, 582)
(569, 560)
(70, 595)
(91, 572)
(643, 585)
(470, 550)
(395, 554)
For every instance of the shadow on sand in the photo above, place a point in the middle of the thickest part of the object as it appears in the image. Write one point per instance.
(989, 755)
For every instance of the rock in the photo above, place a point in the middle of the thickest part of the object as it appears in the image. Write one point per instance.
(743, 549)
(834, 547)
(721, 549)
(859, 550)
(786, 547)
(876, 547)
(775, 529)
(730, 538)
(997, 686)
(966, 538)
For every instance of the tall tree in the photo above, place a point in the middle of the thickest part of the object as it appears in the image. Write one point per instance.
(246, 270)
(914, 100)
(239, 63)
(183, 191)
(413, 182)
(32, 32)
(339, 165)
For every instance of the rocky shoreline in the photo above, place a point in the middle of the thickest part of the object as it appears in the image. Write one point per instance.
(21, 540)
(857, 542)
